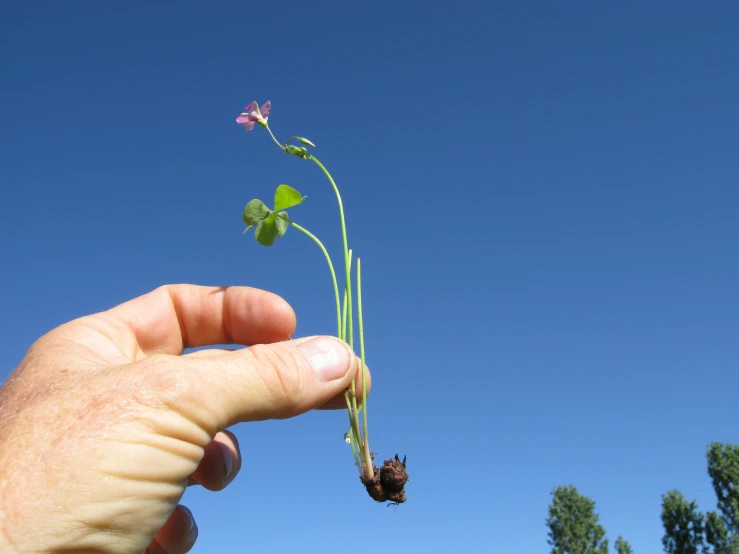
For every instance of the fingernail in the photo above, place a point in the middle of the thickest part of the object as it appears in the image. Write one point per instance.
(192, 533)
(228, 461)
(329, 358)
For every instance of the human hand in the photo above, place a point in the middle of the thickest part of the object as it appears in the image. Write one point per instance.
(105, 423)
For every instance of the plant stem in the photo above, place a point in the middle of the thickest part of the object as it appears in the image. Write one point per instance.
(277, 142)
(349, 395)
(347, 257)
(351, 392)
(330, 266)
(344, 306)
(348, 327)
(353, 424)
(345, 325)
(365, 438)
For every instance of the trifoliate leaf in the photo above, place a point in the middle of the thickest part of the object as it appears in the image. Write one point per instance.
(286, 197)
(255, 211)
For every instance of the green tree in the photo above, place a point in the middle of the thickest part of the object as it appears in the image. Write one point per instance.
(573, 524)
(687, 530)
(723, 468)
(716, 533)
(623, 547)
(684, 525)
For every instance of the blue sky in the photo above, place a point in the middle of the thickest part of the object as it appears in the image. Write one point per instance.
(543, 194)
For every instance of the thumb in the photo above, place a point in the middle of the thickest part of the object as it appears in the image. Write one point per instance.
(273, 381)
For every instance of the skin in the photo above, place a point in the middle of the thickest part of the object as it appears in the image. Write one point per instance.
(105, 422)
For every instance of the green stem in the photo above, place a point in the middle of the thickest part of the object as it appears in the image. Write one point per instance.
(331, 268)
(347, 258)
(348, 308)
(345, 305)
(349, 395)
(353, 384)
(277, 142)
(346, 333)
(362, 360)
(345, 324)
(353, 443)
(348, 327)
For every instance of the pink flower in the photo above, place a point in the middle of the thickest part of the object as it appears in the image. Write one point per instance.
(254, 114)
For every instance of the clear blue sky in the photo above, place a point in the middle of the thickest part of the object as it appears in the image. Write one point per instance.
(544, 196)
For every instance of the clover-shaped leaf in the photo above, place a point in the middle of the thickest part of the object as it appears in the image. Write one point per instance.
(255, 212)
(287, 197)
(271, 224)
(281, 221)
(266, 231)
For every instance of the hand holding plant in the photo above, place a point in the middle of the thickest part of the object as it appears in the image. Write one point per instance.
(387, 483)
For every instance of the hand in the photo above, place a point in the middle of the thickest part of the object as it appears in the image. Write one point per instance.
(105, 423)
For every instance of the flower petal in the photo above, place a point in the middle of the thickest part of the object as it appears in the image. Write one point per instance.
(265, 109)
(243, 118)
(251, 106)
(249, 125)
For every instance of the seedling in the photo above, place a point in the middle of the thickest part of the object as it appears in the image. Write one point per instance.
(388, 483)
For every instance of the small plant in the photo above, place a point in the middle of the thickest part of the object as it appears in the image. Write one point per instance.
(388, 483)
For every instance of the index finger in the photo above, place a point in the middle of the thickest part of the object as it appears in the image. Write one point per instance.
(175, 317)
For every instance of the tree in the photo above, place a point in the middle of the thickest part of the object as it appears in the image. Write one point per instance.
(684, 525)
(723, 468)
(716, 533)
(573, 524)
(687, 530)
(623, 547)
(718, 537)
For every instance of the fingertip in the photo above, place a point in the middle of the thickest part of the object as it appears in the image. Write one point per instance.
(272, 317)
(338, 402)
(231, 455)
(227, 459)
(287, 315)
(179, 533)
(220, 464)
(329, 358)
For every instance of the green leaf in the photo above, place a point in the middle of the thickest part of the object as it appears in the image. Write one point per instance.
(286, 197)
(255, 211)
(266, 231)
(282, 224)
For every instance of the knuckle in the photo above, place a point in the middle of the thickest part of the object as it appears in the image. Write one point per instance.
(162, 290)
(280, 372)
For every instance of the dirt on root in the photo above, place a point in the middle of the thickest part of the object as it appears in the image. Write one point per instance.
(389, 481)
